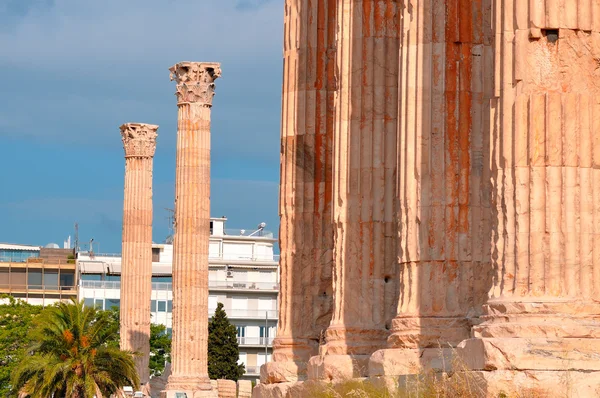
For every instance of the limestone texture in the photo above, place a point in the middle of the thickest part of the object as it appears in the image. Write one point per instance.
(227, 388)
(244, 388)
(195, 91)
(463, 153)
(139, 143)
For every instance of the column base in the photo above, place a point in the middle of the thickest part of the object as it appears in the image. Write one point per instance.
(192, 387)
(353, 341)
(283, 372)
(416, 332)
(336, 368)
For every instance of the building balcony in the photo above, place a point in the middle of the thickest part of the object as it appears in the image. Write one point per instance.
(247, 314)
(252, 370)
(54, 290)
(231, 284)
(255, 341)
(212, 285)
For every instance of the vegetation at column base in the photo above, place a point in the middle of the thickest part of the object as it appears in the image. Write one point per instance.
(16, 317)
(223, 349)
(458, 383)
(71, 355)
(160, 343)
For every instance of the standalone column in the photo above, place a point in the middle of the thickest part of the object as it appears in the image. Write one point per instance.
(364, 174)
(139, 142)
(195, 91)
(306, 234)
(445, 88)
(543, 311)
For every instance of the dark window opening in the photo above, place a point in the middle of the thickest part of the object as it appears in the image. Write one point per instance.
(156, 254)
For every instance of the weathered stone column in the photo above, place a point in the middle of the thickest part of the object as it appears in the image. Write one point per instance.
(543, 311)
(306, 234)
(195, 91)
(446, 81)
(139, 142)
(364, 175)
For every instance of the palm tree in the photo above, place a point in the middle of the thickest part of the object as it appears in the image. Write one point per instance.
(71, 356)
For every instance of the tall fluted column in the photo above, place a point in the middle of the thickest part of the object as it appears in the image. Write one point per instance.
(364, 174)
(443, 190)
(195, 91)
(139, 142)
(306, 234)
(542, 313)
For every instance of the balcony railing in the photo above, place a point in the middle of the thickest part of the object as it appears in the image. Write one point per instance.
(114, 257)
(254, 314)
(234, 285)
(165, 286)
(260, 341)
(32, 261)
(247, 232)
(36, 287)
(252, 370)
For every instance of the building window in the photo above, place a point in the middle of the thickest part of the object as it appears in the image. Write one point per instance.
(67, 279)
(34, 279)
(162, 279)
(156, 254)
(99, 304)
(264, 331)
(88, 302)
(169, 305)
(91, 277)
(241, 331)
(162, 306)
(51, 279)
(110, 303)
(153, 306)
(211, 227)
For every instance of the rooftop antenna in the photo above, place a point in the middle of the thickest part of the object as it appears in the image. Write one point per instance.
(171, 218)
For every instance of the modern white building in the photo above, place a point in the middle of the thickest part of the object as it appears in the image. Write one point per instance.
(243, 275)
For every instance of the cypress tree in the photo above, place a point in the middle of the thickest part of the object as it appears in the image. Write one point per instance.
(223, 349)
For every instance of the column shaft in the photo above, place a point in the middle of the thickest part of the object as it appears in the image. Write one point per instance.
(136, 265)
(364, 172)
(195, 89)
(306, 234)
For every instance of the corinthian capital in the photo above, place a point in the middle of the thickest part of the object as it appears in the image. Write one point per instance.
(139, 139)
(195, 81)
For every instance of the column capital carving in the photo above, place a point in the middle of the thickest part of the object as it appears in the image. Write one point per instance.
(139, 139)
(195, 81)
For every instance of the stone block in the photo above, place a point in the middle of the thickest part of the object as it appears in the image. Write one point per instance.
(282, 372)
(570, 384)
(244, 388)
(338, 367)
(399, 362)
(227, 388)
(530, 354)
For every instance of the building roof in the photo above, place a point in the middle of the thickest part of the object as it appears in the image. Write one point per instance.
(9, 246)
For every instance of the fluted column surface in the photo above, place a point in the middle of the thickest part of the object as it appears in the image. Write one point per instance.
(306, 236)
(364, 172)
(139, 141)
(446, 83)
(545, 156)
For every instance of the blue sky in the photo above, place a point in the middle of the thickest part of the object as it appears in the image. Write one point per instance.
(73, 71)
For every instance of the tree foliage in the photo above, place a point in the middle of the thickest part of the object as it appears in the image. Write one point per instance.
(71, 356)
(160, 343)
(15, 321)
(223, 349)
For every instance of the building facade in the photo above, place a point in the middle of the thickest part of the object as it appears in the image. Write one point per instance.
(243, 275)
(38, 275)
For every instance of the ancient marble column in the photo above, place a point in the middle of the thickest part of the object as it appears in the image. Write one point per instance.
(195, 91)
(446, 60)
(139, 142)
(364, 175)
(543, 313)
(305, 205)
